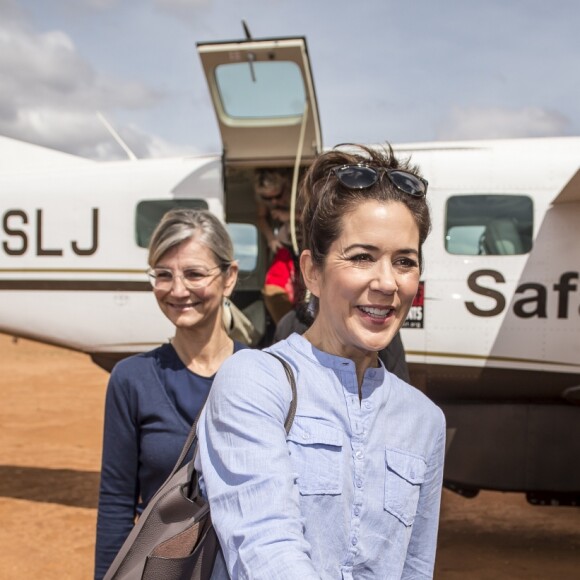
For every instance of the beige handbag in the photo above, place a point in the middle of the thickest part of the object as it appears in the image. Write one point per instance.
(174, 538)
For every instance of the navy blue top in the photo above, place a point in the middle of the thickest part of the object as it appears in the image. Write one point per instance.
(152, 401)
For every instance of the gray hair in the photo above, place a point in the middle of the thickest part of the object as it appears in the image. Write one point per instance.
(179, 225)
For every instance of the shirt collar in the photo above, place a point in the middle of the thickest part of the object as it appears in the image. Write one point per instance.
(332, 361)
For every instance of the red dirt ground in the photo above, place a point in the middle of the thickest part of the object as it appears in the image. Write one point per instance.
(50, 437)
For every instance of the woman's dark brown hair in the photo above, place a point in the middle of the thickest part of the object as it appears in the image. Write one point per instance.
(325, 201)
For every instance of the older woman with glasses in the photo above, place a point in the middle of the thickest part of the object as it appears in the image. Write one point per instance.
(353, 491)
(153, 398)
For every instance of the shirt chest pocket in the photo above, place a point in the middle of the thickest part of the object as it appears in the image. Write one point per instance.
(316, 454)
(403, 478)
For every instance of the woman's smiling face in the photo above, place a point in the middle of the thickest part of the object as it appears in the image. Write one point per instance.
(368, 281)
(192, 308)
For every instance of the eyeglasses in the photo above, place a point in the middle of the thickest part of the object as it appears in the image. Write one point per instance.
(363, 176)
(193, 278)
(268, 198)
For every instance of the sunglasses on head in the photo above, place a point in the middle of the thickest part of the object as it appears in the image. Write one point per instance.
(363, 176)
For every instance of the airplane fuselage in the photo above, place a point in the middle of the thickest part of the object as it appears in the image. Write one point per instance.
(493, 335)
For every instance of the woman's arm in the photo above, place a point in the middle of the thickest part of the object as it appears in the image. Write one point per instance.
(247, 472)
(119, 489)
(265, 228)
(420, 560)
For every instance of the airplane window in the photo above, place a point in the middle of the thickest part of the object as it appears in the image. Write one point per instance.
(464, 239)
(489, 225)
(261, 90)
(245, 239)
(150, 212)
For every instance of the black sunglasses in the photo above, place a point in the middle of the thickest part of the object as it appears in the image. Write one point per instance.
(362, 176)
(271, 197)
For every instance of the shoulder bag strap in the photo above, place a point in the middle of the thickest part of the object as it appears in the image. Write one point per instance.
(294, 402)
(192, 436)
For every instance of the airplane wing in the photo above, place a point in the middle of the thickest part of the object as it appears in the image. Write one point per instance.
(18, 156)
(570, 192)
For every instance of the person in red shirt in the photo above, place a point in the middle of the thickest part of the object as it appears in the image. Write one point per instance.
(273, 189)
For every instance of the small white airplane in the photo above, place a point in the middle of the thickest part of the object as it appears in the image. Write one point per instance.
(493, 336)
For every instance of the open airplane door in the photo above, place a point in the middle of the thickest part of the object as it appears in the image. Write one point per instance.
(264, 100)
(263, 96)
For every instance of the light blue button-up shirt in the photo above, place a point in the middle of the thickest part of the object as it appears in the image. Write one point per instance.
(352, 492)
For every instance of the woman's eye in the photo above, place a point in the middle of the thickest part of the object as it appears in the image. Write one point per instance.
(193, 275)
(361, 258)
(164, 276)
(407, 263)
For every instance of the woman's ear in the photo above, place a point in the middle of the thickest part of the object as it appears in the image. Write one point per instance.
(310, 273)
(231, 277)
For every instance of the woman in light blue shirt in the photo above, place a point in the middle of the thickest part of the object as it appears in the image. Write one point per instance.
(354, 489)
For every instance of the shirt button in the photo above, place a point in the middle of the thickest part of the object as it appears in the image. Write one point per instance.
(305, 436)
(354, 541)
(368, 405)
(356, 511)
(359, 483)
(359, 454)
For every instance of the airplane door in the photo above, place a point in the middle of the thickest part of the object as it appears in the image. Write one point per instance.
(264, 99)
(265, 104)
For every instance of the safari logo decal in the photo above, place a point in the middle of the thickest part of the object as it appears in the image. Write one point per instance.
(415, 316)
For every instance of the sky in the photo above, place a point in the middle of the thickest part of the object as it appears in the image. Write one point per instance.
(384, 70)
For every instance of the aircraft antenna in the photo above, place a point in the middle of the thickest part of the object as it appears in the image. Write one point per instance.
(116, 137)
(246, 30)
(250, 56)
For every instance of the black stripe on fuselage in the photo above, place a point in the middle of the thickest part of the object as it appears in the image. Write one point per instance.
(74, 285)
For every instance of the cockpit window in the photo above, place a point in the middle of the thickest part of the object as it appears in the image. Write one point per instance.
(489, 225)
(261, 90)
